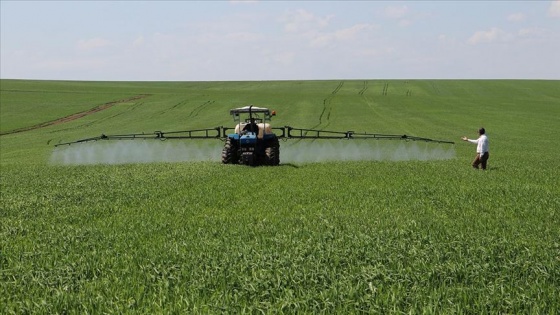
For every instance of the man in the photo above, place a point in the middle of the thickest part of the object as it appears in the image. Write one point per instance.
(482, 154)
(251, 126)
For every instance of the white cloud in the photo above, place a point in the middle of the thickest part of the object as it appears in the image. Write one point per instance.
(532, 32)
(71, 64)
(402, 14)
(493, 35)
(396, 12)
(498, 35)
(405, 22)
(374, 52)
(346, 34)
(138, 41)
(302, 20)
(284, 58)
(321, 40)
(516, 17)
(243, 37)
(91, 44)
(554, 9)
(352, 32)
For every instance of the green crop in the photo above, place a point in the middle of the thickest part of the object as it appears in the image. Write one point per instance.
(428, 236)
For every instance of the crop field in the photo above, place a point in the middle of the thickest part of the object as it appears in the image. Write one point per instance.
(340, 227)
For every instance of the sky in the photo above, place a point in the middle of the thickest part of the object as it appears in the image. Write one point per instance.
(279, 40)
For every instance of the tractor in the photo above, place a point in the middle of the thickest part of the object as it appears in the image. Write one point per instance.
(253, 142)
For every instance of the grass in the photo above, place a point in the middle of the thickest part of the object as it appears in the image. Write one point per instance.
(336, 237)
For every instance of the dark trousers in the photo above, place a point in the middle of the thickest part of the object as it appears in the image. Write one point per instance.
(481, 160)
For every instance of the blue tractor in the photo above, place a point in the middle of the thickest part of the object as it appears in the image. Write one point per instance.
(253, 142)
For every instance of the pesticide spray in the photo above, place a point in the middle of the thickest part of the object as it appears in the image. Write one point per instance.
(139, 151)
(364, 150)
(301, 152)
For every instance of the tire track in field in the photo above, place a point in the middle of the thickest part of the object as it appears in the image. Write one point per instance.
(193, 112)
(436, 88)
(127, 110)
(76, 116)
(364, 89)
(327, 107)
(385, 88)
(373, 100)
(199, 108)
(163, 111)
(98, 121)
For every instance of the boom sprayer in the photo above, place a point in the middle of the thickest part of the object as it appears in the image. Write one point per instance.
(253, 141)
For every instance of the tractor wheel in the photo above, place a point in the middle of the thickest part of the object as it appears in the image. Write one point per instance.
(229, 153)
(273, 153)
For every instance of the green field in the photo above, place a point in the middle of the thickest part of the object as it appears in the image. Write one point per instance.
(384, 236)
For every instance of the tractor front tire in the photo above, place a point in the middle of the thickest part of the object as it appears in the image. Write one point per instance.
(229, 153)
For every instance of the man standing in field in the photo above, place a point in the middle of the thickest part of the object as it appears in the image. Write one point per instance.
(482, 154)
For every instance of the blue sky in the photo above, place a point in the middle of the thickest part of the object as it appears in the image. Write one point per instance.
(279, 40)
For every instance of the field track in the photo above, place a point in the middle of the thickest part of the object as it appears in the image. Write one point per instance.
(76, 115)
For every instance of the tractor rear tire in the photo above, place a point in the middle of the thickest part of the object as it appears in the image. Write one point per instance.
(273, 153)
(229, 153)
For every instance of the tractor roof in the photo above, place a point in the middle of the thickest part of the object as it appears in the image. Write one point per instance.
(250, 108)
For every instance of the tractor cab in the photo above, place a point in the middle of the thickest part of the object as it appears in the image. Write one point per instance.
(255, 120)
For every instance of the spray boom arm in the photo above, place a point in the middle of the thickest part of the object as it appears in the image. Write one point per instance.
(286, 132)
(297, 133)
(210, 133)
(260, 115)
